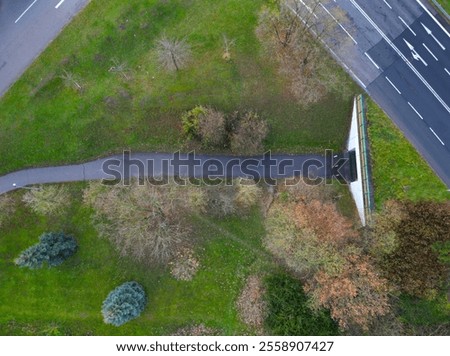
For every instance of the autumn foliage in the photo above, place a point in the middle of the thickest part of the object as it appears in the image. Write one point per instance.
(322, 248)
(413, 264)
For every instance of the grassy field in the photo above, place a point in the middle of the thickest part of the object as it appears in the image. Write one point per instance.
(399, 172)
(445, 4)
(68, 299)
(45, 121)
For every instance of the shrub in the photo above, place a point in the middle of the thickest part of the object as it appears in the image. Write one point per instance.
(47, 200)
(53, 249)
(212, 128)
(247, 194)
(184, 265)
(250, 134)
(124, 303)
(6, 208)
(288, 312)
(251, 304)
(191, 122)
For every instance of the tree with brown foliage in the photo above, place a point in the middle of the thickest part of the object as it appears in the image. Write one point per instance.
(321, 246)
(249, 135)
(414, 264)
(355, 297)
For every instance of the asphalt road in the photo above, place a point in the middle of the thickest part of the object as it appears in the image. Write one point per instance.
(399, 52)
(26, 29)
(156, 165)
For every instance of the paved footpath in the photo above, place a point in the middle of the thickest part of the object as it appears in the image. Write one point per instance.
(164, 164)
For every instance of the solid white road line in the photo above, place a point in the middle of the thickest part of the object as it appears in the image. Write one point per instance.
(334, 18)
(23, 13)
(59, 4)
(434, 133)
(412, 107)
(434, 18)
(388, 5)
(308, 8)
(370, 58)
(430, 51)
(402, 56)
(447, 71)
(409, 28)
(398, 91)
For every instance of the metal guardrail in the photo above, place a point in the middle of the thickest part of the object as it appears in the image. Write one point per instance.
(368, 196)
(441, 9)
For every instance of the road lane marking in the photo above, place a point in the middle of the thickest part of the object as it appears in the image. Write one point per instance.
(447, 71)
(334, 18)
(388, 5)
(434, 18)
(414, 53)
(59, 4)
(409, 28)
(430, 51)
(398, 91)
(23, 13)
(433, 36)
(370, 58)
(402, 56)
(434, 133)
(412, 107)
(308, 8)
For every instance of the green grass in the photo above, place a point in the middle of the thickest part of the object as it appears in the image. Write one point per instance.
(399, 172)
(43, 121)
(67, 299)
(445, 4)
(421, 312)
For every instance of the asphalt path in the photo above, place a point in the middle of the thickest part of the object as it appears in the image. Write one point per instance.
(157, 165)
(399, 53)
(26, 29)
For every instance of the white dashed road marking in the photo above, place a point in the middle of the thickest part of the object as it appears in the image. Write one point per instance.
(412, 107)
(23, 13)
(398, 91)
(434, 133)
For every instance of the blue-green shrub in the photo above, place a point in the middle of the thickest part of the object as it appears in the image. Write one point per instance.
(124, 303)
(52, 248)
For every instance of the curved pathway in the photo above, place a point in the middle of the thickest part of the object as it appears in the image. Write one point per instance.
(183, 165)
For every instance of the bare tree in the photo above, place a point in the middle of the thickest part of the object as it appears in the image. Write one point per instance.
(227, 44)
(173, 54)
(70, 80)
(292, 34)
(48, 199)
(250, 134)
(149, 223)
(120, 68)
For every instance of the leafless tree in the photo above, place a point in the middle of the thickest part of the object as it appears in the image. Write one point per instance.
(48, 199)
(146, 222)
(292, 34)
(173, 54)
(70, 80)
(227, 44)
(249, 135)
(120, 68)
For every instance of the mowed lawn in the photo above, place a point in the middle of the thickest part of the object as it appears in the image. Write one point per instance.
(67, 299)
(44, 120)
(399, 172)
